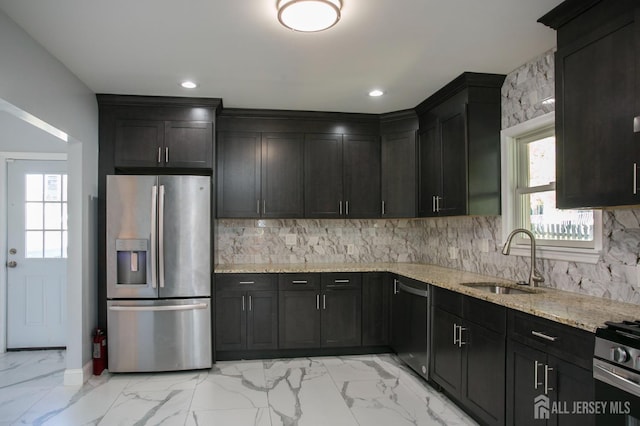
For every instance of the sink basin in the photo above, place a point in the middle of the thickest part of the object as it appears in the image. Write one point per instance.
(501, 288)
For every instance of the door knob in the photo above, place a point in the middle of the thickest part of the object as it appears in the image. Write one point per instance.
(12, 264)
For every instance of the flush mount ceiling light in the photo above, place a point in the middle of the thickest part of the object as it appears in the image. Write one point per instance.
(188, 84)
(375, 93)
(309, 15)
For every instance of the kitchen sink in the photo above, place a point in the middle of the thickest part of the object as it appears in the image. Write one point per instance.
(501, 288)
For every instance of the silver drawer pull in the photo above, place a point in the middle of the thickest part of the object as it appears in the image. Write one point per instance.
(341, 281)
(299, 282)
(247, 282)
(544, 336)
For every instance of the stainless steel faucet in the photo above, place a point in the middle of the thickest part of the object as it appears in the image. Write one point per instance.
(535, 277)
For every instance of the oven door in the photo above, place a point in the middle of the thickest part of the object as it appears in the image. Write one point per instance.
(620, 389)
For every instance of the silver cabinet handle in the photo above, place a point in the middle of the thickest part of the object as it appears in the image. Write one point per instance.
(544, 336)
(154, 225)
(460, 342)
(395, 286)
(341, 281)
(264, 206)
(438, 204)
(546, 379)
(383, 210)
(243, 303)
(433, 203)
(346, 208)
(317, 302)
(636, 124)
(324, 301)
(455, 334)
(635, 178)
(258, 207)
(299, 282)
(246, 282)
(536, 365)
(166, 155)
(249, 302)
(159, 155)
(340, 203)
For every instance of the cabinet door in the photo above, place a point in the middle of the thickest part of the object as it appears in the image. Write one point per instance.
(596, 89)
(446, 357)
(299, 319)
(361, 156)
(238, 175)
(282, 178)
(525, 382)
(341, 318)
(188, 144)
(262, 320)
(398, 180)
(454, 164)
(376, 295)
(231, 321)
(483, 389)
(570, 384)
(139, 143)
(429, 170)
(323, 195)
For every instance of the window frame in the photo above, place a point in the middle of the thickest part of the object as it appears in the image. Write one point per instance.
(510, 147)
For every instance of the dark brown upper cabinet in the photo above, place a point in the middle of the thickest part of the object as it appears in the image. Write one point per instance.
(260, 175)
(398, 167)
(148, 132)
(597, 102)
(459, 148)
(342, 176)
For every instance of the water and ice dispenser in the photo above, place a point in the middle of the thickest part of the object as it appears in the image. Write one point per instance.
(131, 261)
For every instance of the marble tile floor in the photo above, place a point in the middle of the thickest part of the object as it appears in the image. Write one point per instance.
(365, 390)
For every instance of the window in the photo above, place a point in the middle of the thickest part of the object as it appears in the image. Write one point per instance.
(529, 196)
(46, 216)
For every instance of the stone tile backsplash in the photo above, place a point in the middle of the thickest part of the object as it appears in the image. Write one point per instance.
(470, 243)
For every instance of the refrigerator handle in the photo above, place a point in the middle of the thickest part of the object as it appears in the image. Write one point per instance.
(161, 238)
(154, 215)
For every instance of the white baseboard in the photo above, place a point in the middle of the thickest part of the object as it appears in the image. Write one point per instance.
(78, 376)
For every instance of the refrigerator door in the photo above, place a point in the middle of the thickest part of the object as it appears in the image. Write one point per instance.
(159, 335)
(131, 236)
(184, 236)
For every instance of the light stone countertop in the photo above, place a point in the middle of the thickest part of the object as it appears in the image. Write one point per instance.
(576, 310)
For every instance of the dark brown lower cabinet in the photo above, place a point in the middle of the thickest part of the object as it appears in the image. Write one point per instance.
(376, 298)
(468, 353)
(299, 319)
(341, 318)
(246, 313)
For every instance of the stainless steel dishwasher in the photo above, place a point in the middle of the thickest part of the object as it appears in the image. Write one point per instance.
(410, 323)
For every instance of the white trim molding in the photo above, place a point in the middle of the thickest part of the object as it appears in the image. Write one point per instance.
(78, 376)
(508, 150)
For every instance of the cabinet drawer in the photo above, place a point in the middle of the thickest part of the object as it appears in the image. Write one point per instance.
(249, 282)
(569, 343)
(299, 281)
(340, 280)
(486, 314)
(447, 300)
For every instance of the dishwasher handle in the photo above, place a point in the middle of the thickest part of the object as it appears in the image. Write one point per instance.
(413, 290)
(159, 308)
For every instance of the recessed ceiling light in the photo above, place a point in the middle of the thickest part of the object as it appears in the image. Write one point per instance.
(376, 93)
(188, 84)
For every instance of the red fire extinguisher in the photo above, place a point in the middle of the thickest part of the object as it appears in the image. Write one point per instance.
(99, 352)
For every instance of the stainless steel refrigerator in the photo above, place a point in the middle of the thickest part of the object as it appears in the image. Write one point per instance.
(158, 273)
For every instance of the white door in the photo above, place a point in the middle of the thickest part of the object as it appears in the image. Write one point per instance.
(36, 254)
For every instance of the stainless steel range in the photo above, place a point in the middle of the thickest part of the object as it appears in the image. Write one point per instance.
(616, 370)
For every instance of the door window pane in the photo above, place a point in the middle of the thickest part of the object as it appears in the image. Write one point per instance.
(33, 188)
(53, 188)
(33, 216)
(53, 216)
(52, 244)
(64, 243)
(34, 244)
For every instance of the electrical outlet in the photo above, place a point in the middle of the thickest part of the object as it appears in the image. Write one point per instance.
(484, 245)
(291, 239)
(453, 253)
(351, 249)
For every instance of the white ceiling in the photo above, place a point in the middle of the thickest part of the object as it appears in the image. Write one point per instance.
(237, 50)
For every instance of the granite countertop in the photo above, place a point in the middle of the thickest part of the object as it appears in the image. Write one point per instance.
(573, 309)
